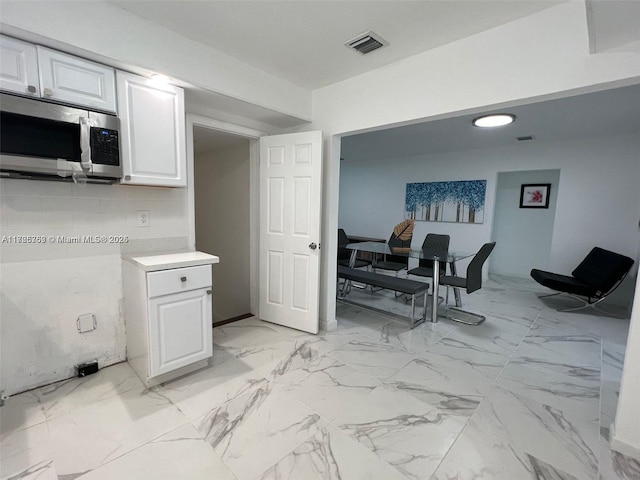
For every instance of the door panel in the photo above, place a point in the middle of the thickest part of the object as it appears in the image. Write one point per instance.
(290, 213)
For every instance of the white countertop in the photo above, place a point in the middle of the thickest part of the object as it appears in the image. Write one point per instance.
(169, 260)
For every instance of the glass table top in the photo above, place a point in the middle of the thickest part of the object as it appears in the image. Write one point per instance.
(385, 249)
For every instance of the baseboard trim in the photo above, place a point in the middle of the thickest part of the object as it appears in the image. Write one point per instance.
(623, 447)
(233, 319)
(328, 325)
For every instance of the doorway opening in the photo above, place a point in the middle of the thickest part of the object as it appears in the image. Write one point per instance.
(222, 201)
(524, 234)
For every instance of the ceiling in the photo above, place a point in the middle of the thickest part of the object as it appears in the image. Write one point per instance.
(609, 112)
(303, 41)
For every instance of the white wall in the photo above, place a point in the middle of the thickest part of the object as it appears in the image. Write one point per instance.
(597, 200)
(222, 225)
(523, 234)
(626, 433)
(107, 32)
(45, 287)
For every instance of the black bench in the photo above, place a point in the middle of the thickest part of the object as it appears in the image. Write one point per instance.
(404, 285)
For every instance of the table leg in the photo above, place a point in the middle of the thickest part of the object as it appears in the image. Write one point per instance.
(434, 293)
(456, 291)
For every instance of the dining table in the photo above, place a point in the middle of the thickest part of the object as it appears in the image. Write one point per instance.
(450, 257)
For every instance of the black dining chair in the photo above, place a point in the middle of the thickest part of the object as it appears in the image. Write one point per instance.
(344, 254)
(471, 283)
(400, 238)
(432, 242)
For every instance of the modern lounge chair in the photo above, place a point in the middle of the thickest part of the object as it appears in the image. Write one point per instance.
(472, 282)
(400, 238)
(597, 276)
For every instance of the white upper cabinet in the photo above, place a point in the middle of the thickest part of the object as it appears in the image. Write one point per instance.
(152, 132)
(18, 67)
(35, 71)
(70, 79)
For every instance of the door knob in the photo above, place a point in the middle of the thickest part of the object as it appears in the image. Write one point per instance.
(313, 246)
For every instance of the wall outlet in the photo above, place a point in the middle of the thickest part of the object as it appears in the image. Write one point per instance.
(144, 218)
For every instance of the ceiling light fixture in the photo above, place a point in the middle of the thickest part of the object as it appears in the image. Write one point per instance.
(159, 78)
(494, 120)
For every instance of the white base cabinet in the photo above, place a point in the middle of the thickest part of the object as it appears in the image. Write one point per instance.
(168, 320)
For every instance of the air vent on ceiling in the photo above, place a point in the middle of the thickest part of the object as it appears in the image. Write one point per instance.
(366, 42)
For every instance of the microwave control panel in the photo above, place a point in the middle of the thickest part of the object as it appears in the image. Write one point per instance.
(105, 148)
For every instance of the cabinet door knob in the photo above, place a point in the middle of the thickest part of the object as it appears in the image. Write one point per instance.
(48, 92)
(209, 292)
(183, 279)
(31, 89)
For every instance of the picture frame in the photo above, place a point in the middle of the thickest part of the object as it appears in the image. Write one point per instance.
(535, 195)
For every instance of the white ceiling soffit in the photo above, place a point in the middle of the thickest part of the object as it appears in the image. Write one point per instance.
(609, 112)
(613, 25)
(303, 41)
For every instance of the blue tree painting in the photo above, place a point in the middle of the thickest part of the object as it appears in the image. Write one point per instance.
(461, 201)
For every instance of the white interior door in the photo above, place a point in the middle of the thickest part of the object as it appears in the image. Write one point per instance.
(290, 213)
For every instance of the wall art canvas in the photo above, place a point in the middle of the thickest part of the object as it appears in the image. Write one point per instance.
(459, 201)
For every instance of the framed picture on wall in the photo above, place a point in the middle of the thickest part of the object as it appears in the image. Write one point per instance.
(535, 195)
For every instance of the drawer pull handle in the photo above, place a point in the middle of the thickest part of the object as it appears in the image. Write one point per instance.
(183, 279)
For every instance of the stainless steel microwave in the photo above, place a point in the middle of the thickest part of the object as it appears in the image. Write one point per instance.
(43, 140)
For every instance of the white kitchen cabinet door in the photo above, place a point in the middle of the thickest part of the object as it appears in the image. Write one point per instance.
(19, 67)
(152, 132)
(70, 79)
(179, 330)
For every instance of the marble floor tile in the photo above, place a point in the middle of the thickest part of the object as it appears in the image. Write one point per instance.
(614, 465)
(529, 394)
(324, 384)
(372, 357)
(108, 429)
(331, 455)
(181, 453)
(226, 378)
(411, 435)
(64, 397)
(265, 357)
(27, 454)
(253, 432)
(565, 387)
(249, 332)
(20, 411)
(554, 346)
(441, 371)
(498, 333)
(477, 454)
(559, 438)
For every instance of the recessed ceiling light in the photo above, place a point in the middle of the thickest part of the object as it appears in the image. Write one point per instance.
(494, 120)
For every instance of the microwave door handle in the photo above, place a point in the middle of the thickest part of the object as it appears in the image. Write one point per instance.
(85, 144)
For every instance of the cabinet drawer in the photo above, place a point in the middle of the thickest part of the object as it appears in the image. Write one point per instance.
(165, 282)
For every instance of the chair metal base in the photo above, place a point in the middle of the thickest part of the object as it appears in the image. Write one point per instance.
(585, 304)
(461, 316)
